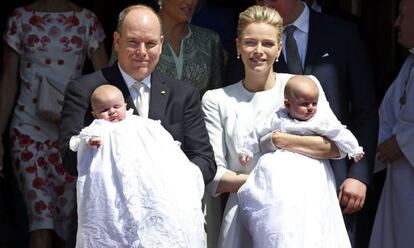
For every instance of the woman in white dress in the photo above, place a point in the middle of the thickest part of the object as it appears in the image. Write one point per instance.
(232, 112)
(48, 39)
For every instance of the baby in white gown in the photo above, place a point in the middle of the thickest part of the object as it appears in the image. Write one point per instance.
(289, 199)
(135, 187)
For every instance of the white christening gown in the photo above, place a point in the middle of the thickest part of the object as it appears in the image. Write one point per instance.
(138, 189)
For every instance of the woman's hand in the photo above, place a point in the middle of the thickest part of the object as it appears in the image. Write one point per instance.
(230, 182)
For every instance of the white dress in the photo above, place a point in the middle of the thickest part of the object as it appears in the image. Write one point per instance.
(394, 220)
(289, 199)
(231, 113)
(138, 189)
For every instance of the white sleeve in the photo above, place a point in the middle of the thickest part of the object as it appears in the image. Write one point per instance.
(216, 134)
(325, 110)
(338, 133)
(404, 128)
(93, 130)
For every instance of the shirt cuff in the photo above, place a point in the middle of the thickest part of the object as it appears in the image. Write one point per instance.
(266, 144)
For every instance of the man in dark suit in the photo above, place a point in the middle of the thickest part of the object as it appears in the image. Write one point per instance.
(331, 49)
(138, 41)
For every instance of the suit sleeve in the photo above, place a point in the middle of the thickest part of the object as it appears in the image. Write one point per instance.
(75, 105)
(364, 117)
(216, 133)
(196, 144)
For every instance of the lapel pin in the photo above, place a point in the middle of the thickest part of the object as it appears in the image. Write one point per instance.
(162, 92)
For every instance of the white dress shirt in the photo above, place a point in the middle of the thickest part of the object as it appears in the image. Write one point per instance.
(301, 34)
(134, 94)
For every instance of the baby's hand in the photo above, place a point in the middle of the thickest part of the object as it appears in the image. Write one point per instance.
(95, 141)
(358, 156)
(244, 159)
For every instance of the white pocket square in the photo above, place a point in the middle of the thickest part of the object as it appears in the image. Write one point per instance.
(325, 55)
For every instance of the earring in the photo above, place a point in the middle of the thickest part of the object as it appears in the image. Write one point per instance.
(160, 4)
(238, 55)
(277, 59)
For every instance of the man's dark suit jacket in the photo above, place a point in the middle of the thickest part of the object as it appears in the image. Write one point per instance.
(337, 57)
(175, 103)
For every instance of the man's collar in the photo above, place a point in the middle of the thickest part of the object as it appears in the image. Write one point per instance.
(302, 22)
(130, 81)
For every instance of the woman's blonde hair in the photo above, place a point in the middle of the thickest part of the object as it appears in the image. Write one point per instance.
(260, 14)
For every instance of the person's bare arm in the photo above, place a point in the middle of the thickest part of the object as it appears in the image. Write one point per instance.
(317, 147)
(231, 182)
(99, 58)
(8, 91)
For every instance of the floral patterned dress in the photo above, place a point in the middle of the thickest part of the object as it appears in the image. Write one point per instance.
(52, 45)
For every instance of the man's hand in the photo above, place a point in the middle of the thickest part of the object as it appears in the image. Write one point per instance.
(352, 195)
(389, 151)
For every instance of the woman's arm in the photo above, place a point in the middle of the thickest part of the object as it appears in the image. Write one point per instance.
(224, 180)
(317, 147)
(99, 58)
(8, 91)
(231, 182)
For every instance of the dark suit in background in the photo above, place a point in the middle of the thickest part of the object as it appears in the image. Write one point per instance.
(175, 103)
(337, 57)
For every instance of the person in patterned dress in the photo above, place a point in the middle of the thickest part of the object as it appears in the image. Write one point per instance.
(48, 39)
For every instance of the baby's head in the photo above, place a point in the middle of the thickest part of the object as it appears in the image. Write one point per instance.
(301, 97)
(108, 103)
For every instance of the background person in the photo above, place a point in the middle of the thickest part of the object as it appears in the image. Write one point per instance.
(394, 220)
(46, 39)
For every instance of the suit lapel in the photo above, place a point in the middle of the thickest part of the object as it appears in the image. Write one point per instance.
(158, 97)
(114, 77)
(314, 51)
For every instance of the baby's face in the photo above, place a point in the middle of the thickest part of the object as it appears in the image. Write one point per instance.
(113, 109)
(304, 107)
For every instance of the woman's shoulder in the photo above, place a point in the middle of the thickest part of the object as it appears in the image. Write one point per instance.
(224, 94)
(203, 32)
(20, 11)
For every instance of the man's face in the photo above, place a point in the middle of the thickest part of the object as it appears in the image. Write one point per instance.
(139, 44)
(405, 23)
(288, 9)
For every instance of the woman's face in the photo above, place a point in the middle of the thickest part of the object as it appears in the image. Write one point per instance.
(180, 10)
(259, 47)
